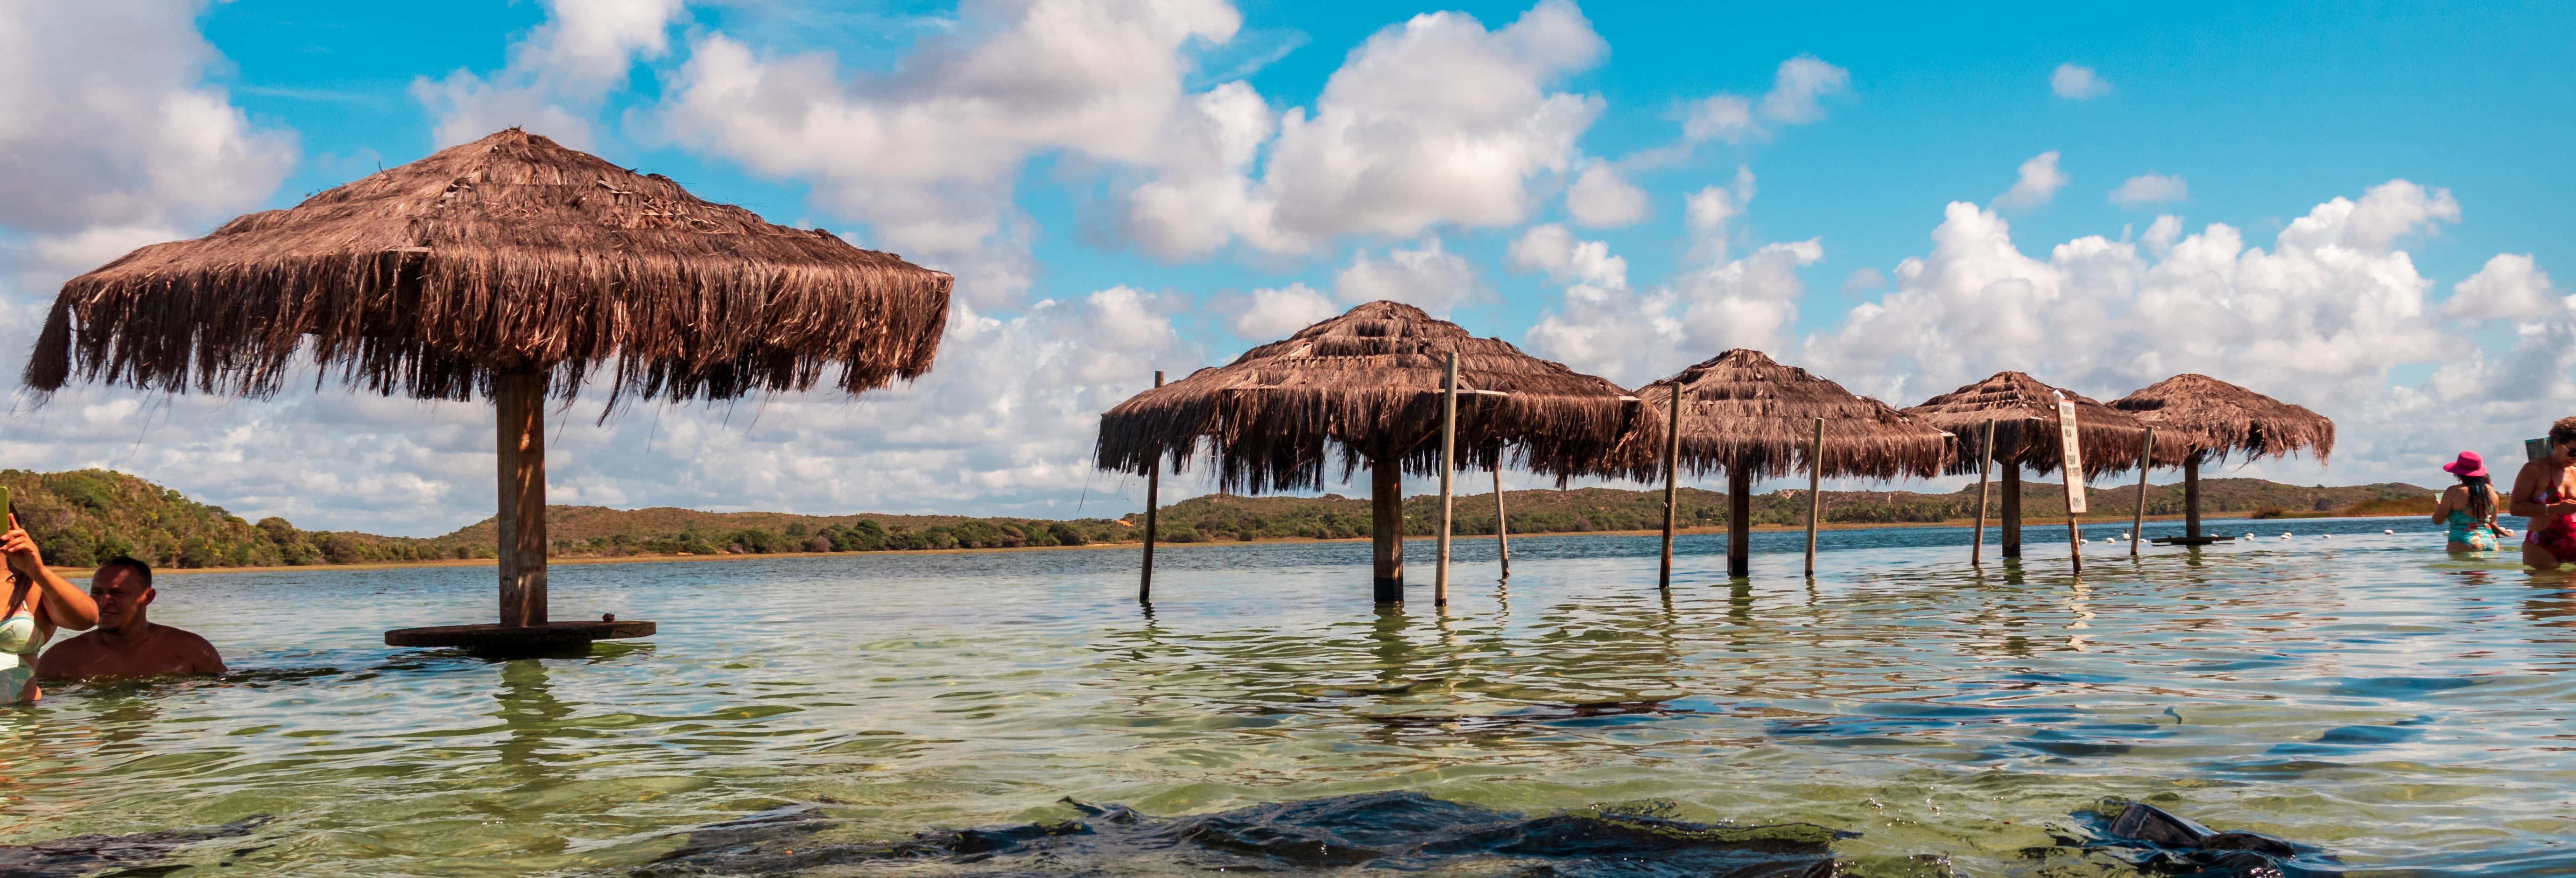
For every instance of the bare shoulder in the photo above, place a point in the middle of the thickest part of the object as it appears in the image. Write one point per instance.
(70, 657)
(201, 655)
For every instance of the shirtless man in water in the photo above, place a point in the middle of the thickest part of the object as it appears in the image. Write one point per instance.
(126, 644)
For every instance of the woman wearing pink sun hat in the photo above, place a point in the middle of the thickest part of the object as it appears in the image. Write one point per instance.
(2470, 506)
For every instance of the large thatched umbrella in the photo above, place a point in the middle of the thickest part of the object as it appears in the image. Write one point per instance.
(511, 267)
(2199, 418)
(1368, 384)
(2024, 412)
(1749, 416)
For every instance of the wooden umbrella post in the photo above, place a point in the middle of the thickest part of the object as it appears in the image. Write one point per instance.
(1739, 522)
(1815, 492)
(1672, 482)
(2138, 517)
(2191, 497)
(1985, 470)
(1153, 498)
(1448, 470)
(1502, 524)
(519, 405)
(2071, 466)
(1386, 522)
(2009, 518)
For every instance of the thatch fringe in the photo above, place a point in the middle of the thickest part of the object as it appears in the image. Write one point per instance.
(2196, 415)
(1741, 409)
(1367, 383)
(509, 253)
(2026, 430)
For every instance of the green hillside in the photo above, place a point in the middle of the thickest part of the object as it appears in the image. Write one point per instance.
(83, 517)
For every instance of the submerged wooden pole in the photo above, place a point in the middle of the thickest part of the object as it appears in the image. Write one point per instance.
(1985, 471)
(1448, 470)
(1502, 524)
(1739, 522)
(1386, 522)
(2191, 497)
(1815, 492)
(1672, 482)
(1153, 497)
(2138, 518)
(519, 405)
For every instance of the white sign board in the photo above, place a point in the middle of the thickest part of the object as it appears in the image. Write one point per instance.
(2074, 456)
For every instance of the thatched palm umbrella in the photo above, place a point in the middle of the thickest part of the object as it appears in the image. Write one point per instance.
(1368, 383)
(2024, 412)
(511, 267)
(2199, 418)
(1749, 416)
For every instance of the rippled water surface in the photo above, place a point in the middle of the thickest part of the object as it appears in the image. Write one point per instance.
(2365, 694)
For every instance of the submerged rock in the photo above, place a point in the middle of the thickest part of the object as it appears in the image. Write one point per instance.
(134, 854)
(2153, 840)
(1403, 831)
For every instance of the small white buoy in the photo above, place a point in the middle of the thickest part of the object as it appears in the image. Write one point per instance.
(2285, 534)
(2249, 535)
(2389, 531)
(2326, 537)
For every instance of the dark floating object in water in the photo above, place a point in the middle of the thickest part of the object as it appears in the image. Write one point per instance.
(127, 854)
(2155, 841)
(1401, 830)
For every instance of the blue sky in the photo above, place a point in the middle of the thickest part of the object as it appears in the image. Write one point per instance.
(2261, 114)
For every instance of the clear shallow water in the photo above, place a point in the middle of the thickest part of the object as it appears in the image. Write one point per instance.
(2365, 694)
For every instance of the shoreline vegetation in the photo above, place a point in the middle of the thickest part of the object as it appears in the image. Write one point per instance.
(82, 517)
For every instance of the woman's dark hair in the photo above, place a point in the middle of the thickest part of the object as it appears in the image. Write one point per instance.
(2563, 432)
(2481, 496)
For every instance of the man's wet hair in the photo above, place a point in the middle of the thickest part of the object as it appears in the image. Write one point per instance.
(141, 570)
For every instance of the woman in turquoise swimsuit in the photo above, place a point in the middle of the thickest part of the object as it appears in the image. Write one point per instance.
(2470, 507)
(2543, 493)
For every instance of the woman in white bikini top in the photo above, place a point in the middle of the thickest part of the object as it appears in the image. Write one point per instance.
(40, 600)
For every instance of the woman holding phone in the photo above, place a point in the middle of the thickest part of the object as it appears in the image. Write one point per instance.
(40, 601)
(2544, 494)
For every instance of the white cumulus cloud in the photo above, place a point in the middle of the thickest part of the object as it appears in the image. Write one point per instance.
(2510, 285)
(2039, 181)
(1797, 88)
(557, 75)
(2150, 189)
(1601, 198)
(2077, 82)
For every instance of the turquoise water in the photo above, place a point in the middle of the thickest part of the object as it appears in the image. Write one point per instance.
(2365, 693)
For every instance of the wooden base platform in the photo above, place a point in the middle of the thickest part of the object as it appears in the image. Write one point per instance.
(533, 638)
(2190, 541)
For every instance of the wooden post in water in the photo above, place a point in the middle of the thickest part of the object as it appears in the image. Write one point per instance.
(1502, 525)
(519, 405)
(2191, 497)
(1672, 482)
(2138, 519)
(1739, 522)
(1985, 470)
(1815, 492)
(1448, 470)
(2009, 518)
(2071, 466)
(1153, 497)
(1386, 522)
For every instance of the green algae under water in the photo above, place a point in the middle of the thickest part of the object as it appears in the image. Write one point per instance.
(2364, 694)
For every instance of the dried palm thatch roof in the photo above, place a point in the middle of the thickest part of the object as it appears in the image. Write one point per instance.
(1741, 409)
(2200, 415)
(511, 252)
(1367, 381)
(2026, 431)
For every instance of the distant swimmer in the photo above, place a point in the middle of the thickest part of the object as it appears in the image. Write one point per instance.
(126, 644)
(2543, 493)
(2469, 508)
